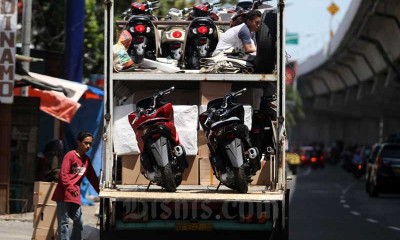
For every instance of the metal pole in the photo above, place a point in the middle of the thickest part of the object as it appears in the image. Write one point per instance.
(26, 38)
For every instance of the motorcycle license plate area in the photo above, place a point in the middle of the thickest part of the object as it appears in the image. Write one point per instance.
(204, 227)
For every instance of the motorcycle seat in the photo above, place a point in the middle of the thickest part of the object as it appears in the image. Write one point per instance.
(225, 122)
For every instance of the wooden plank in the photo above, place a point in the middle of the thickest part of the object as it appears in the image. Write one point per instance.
(138, 76)
(192, 193)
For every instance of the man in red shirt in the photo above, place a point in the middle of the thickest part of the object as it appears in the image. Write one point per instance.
(76, 164)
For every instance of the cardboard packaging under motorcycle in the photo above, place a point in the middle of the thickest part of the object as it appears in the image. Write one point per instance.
(131, 171)
(186, 120)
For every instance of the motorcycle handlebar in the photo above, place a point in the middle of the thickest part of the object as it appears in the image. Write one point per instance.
(139, 112)
(167, 91)
(228, 97)
(126, 13)
(186, 10)
(210, 116)
(238, 93)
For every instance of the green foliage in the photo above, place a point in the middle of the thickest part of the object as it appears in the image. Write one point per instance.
(294, 106)
(48, 25)
(94, 38)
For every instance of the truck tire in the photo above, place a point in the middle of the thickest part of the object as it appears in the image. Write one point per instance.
(266, 43)
(240, 179)
(168, 178)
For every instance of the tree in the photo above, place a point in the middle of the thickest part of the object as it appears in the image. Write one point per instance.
(94, 38)
(294, 106)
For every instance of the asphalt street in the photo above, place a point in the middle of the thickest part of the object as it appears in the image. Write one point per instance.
(20, 226)
(329, 203)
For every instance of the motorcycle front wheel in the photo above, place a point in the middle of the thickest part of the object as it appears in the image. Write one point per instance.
(168, 178)
(240, 179)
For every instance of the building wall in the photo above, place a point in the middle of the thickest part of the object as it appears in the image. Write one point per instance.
(5, 132)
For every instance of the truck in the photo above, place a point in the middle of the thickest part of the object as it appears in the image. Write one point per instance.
(135, 208)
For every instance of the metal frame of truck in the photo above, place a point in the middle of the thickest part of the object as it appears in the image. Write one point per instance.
(275, 199)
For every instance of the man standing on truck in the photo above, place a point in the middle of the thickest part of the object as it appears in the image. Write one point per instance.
(239, 38)
(76, 164)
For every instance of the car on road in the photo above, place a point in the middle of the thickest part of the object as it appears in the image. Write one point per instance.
(312, 156)
(384, 172)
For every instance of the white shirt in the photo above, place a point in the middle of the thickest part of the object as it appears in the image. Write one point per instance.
(234, 37)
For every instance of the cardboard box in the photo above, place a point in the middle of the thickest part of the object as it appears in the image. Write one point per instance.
(45, 234)
(263, 175)
(42, 192)
(212, 90)
(207, 177)
(191, 174)
(203, 151)
(131, 171)
(45, 216)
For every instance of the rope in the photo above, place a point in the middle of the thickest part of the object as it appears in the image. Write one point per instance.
(223, 64)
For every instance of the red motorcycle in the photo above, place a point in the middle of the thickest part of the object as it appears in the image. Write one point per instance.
(162, 156)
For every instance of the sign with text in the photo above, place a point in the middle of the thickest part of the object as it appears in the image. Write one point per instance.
(8, 28)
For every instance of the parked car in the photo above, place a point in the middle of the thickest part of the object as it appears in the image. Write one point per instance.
(385, 170)
(369, 162)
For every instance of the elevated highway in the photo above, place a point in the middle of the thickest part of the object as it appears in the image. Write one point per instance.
(351, 88)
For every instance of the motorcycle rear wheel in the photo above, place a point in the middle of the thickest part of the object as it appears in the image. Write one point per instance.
(240, 179)
(168, 178)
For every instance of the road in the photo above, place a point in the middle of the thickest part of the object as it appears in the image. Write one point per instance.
(329, 203)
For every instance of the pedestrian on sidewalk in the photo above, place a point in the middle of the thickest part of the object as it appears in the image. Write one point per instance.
(75, 165)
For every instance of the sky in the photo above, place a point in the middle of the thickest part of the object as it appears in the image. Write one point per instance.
(311, 20)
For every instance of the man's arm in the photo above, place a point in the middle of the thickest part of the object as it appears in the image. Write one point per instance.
(92, 177)
(245, 36)
(64, 175)
(249, 48)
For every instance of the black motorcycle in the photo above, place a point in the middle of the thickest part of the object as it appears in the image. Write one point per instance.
(201, 35)
(144, 34)
(262, 130)
(232, 156)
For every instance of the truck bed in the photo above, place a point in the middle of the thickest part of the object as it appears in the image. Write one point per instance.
(152, 76)
(192, 193)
